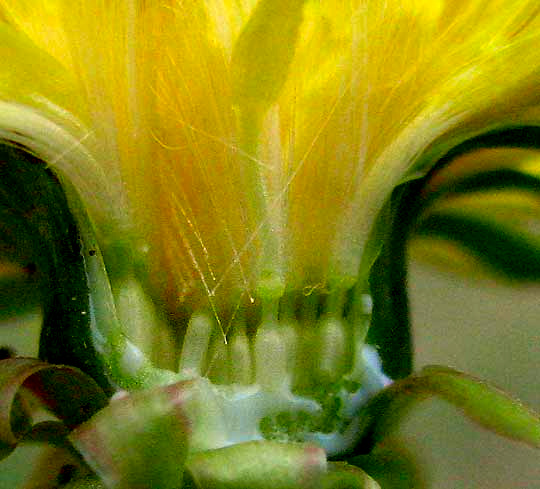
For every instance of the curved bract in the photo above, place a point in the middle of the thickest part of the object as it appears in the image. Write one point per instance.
(475, 213)
(485, 188)
(228, 187)
(39, 222)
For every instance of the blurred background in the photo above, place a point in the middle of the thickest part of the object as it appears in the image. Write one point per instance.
(488, 329)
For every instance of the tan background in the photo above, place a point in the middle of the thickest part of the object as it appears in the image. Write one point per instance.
(491, 331)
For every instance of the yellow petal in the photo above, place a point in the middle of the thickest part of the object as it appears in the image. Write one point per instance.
(257, 142)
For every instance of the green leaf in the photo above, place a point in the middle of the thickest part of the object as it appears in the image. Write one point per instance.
(392, 466)
(68, 393)
(258, 465)
(482, 403)
(45, 217)
(35, 213)
(414, 213)
(390, 326)
(448, 231)
(138, 440)
(344, 476)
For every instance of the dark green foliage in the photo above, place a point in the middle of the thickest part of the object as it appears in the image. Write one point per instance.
(34, 209)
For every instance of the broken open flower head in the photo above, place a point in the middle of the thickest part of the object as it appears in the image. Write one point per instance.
(228, 163)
